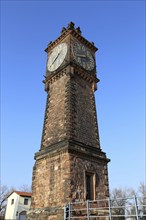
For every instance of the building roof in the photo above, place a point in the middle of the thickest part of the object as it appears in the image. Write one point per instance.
(25, 194)
(28, 194)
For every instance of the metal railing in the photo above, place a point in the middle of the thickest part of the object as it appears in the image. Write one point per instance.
(132, 208)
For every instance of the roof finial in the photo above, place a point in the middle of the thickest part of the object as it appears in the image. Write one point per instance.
(78, 30)
(63, 29)
(71, 26)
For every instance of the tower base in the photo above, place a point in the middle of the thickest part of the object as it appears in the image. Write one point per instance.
(65, 172)
(49, 213)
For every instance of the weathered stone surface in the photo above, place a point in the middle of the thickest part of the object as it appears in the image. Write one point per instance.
(46, 214)
(70, 112)
(60, 178)
(54, 123)
(50, 179)
(70, 146)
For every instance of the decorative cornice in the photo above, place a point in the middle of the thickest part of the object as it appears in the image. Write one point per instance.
(50, 79)
(88, 77)
(70, 30)
(73, 147)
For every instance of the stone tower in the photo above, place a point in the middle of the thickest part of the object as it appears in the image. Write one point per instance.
(70, 165)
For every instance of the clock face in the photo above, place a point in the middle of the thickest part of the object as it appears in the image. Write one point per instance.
(83, 56)
(57, 57)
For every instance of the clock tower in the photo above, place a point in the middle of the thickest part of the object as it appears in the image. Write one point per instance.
(70, 165)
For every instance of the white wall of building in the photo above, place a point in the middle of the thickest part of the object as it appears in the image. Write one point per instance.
(13, 210)
(21, 206)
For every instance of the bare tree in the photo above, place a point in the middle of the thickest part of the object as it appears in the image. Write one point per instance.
(3, 196)
(120, 202)
(142, 197)
(4, 192)
(124, 201)
(142, 189)
(25, 188)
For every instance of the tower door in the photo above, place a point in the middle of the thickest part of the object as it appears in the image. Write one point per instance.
(89, 187)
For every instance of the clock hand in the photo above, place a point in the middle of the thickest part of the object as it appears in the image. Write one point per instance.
(55, 58)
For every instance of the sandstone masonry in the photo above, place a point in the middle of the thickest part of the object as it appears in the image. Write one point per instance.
(70, 164)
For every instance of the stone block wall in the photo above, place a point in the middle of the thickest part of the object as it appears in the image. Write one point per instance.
(69, 150)
(54, 129)
(79, 167)
(70, 111)
(60, 178)
(86, 128)
(51, 183)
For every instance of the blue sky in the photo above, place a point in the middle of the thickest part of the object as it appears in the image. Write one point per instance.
(118, 30)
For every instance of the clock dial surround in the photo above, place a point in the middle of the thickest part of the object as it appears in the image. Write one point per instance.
(57, 57)
(83, 56)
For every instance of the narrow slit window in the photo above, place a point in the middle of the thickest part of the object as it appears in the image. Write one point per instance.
(89, 186)
(12, 201)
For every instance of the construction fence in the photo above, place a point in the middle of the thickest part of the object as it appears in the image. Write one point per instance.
(132, 208)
